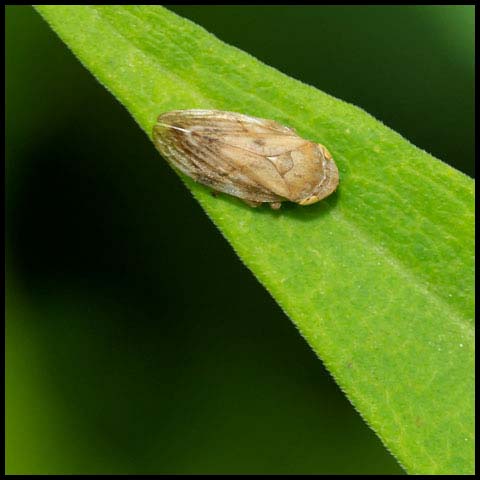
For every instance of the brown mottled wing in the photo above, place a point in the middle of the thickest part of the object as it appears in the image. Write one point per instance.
(250, 158)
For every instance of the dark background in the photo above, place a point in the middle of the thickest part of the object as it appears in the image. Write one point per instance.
(136, 341)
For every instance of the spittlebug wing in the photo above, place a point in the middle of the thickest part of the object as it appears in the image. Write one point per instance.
(257, 160)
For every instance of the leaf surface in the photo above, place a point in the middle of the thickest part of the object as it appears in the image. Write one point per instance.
(378, 278)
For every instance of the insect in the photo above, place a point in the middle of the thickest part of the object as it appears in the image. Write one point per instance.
(257, 160)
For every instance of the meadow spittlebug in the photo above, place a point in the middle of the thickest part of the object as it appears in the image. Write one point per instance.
(257, 160)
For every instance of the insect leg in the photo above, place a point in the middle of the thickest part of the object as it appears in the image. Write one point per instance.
(252, 203)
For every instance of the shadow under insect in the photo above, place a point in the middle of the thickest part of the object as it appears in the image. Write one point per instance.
(288, 209)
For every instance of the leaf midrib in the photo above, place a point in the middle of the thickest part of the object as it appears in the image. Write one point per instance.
(455, 316)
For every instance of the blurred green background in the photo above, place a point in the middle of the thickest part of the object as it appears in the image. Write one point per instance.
(137, 342)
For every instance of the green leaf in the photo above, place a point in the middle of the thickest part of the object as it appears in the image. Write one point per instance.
(378, 278)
